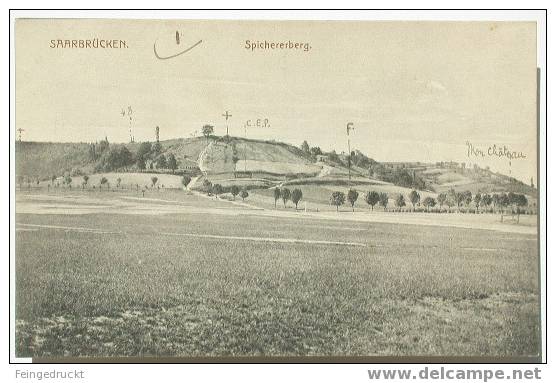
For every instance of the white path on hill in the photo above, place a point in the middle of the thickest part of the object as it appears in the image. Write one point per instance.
(192, 183)
(201, 158)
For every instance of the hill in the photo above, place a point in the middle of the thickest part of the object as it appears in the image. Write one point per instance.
(253, 163)
(41, 160)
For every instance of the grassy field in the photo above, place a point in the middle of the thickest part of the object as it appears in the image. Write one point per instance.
(202, 283)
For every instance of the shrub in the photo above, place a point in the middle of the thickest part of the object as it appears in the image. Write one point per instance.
(297, 194)
(244, 194)
(337, 199)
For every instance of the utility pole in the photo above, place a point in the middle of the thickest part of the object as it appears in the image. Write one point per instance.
(19, 131)
(128, 113)
(349, 127)
(227, 115)
(245, 151)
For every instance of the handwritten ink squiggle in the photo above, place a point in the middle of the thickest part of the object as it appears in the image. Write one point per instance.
(174, 55)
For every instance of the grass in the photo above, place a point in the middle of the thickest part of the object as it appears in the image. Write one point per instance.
(277, 167)
(410, 291)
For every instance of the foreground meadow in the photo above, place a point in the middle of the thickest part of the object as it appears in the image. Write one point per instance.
(201, 284)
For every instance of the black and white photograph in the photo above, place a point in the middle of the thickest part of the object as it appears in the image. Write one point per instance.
(225, 189)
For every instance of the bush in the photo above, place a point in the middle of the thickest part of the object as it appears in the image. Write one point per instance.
(337, 199)
(244, 194)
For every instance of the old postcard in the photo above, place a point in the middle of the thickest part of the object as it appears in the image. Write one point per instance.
(270, 189)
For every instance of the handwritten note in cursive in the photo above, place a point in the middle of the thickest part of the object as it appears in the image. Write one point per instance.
(494, 150)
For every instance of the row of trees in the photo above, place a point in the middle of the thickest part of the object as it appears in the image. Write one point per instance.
(67, 180)
(496, 202)
(286, 195)
(217, 189)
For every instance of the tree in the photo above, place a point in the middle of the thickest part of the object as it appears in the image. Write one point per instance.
(400, 201)
(337, 199)
(429, 202)
(103, 145)
(207, 130)
(455, 198)
(68, 180)
(118, 182)
(141, 165)
(495, 201)
(185, 180)
(154, 180)
(53, 179)
(207, 186)
(520, 201)
(383, 200)
(352, 196)
(217, 189)
(172, 163)
(234, 190)
(161, 162)
(504, 200)
(144, 151)
(85, 180)
(305, 147)
(414, 198)
(477, 200)
(244, 194)
(103, 181)
(372, 198)
(517, 201)
(486, 200)
(277, 195)
(125, 158)
(114, 158)
(467, 198)
(315, 151)
(512, 199)
(297, 194)
(156, 149)
(285, 194)
(442, 199)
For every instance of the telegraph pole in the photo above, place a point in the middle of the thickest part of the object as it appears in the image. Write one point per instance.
(349, 127)
(245, 151)
(227, 115)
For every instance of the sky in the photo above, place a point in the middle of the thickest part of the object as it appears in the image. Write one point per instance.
(414, 91)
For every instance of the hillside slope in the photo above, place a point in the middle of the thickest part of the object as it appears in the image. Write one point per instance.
(258, 163)
(44, 159)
